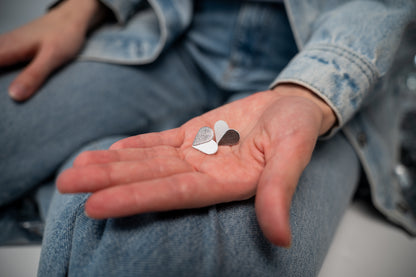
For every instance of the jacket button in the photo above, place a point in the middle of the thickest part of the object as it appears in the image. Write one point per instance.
(402, 207)
(362, 139)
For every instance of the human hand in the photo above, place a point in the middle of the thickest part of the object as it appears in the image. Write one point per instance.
(48, 43)
(161, 171)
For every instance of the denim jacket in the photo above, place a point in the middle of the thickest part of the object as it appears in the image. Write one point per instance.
(346, 49)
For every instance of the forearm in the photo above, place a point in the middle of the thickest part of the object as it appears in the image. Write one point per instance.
(343, 57)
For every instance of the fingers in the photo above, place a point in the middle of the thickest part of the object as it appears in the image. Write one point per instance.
(35, 74)
(172, 137)
(275, 190)
(180, 191)
(19, 46)
(123, 155)
(97, 177)
(47, 43)
(13, 50)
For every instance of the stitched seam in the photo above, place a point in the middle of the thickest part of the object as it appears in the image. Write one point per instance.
(365, 66)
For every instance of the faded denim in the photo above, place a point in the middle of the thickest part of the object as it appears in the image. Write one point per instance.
(221, 240)
(87, 100)
(343, 58)
(225, 239)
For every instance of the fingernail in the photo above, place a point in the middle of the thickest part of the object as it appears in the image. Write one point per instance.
(17, 91)
(86, 214)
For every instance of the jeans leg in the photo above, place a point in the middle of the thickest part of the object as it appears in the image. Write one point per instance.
(221, 240)
(86, 101)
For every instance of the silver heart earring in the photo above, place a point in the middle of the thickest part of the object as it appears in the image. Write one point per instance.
(224, 135)
(204, 139)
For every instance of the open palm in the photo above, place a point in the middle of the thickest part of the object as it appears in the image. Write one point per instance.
(161, 171)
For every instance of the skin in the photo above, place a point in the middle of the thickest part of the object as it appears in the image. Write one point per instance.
(161, 171)
(47, 43)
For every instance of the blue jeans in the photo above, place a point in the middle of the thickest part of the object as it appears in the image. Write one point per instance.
(86, 101)
(221, 240)
(89, 101)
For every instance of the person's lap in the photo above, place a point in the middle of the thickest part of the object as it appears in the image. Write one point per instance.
(85, 101)
(222, 240)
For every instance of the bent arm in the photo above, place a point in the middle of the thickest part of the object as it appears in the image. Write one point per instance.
(345, 49)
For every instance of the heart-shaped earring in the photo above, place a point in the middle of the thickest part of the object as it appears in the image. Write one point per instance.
(224, 135)
(204, 141)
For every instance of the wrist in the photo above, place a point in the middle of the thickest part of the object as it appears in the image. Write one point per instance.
(82, 14)
(293, 90)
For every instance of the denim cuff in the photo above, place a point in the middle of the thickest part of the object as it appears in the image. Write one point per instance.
(122, 9)
(339, 76)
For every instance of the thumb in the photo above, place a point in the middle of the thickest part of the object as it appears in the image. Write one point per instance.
(275, 190)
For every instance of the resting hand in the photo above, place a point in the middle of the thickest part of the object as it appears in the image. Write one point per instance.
(48, 43)
(161, 171)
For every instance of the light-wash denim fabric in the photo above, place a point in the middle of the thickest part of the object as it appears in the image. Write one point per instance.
(221, 240)
(85, 101)
(345, 51)
(88, 100)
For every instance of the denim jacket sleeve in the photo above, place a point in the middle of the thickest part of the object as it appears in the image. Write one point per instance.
(145, 28)
(122, 9)
(341, 55)
(346, 61)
